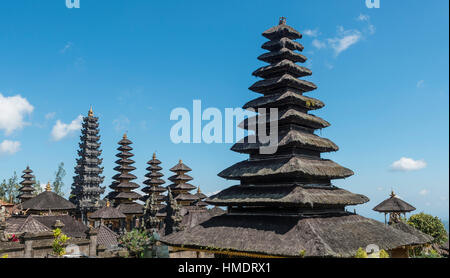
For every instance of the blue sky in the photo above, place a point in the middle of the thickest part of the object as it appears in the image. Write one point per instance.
(382, 73)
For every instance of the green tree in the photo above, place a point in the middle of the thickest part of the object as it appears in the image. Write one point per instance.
(429, 225)
(12, 188)
(59, 242)
(361, 254)
(37, 188)
(3, 190)
(58, 184)
(136, 242)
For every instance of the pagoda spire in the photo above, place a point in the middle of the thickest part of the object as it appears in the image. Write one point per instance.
(180, 187)
(27, 189)
(123, 196)
(154, 188)
(285, 203)
(86, 187)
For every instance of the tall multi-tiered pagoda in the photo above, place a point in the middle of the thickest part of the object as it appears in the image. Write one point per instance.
(86, 187)
(201, 199)
(27, 189)
(286, 204)
(180, 187)
(154, 182)
(123, 197)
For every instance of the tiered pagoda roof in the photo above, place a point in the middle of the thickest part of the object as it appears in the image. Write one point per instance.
(48, 202)
(180, 187)
(86, 189)
(394, 205)
(286, 204)
(123, 196)
(201, 199)
(26, 191)
(154, 186)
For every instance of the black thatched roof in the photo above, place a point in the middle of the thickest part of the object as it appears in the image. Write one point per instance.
(20, 225)
(277, 195)
(72, 227)
(283, 99)
(46, 201)
(131, 208)
(422, 237)
(294, 166)
(332, 236)
(180, 167)
(107, 213)
(394, 204)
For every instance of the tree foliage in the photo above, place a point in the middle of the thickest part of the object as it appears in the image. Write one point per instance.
(429, 225)
(9, 189)
(361, 254)
(136, 242)
(58, 184)
(59, 242)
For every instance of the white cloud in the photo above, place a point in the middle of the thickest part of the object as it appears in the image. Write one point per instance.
(424, 192)
(420, 83)
(318, 44)
(408, 164)
(344, 39)
(121, 124)
(311, 33)
(363, 17)
(50, 116)
(66, 47)
(372, 29)
(379, 188)
(61, 130)
(9, 147)
(13, 110)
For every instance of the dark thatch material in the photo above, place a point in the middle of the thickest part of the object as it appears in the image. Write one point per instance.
(282, 31)
(107, 213)
(181, 178)
(182, 186)
(131, 208)
(277, 195)
(288, 139)
(186, 197)
(288, 97)
(20, 225)
(282, 54)
(289, 116)
(282, 43)
(282, 67)
(72, 227)
(422, 237)
(394, 204)
(46, 201)
(294, 166)
(332, 236)
(268, 86)
(180, 167)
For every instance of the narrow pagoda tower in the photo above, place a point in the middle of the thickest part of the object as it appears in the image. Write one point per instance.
(201, 199)
(154, 186)
(26, 191)
(180, 187)
(86, 187)
(286, 204)
(123, 196)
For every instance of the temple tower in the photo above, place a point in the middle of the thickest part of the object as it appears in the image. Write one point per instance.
(180, 187)
(123, 197)
(154, 187)
(26, 191)
(86, 187)
(285, 204)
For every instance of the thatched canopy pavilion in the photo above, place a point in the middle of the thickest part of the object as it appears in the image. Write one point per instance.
(48, 203)
(286, 204)
(394, 206)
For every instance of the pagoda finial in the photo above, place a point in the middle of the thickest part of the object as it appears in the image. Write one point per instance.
(125, 136)
(198, 190)
(91, 112)
(108, 204)
(393, 194)
(48, 187)
(282, 20)
(180, 162)
(154, 155)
